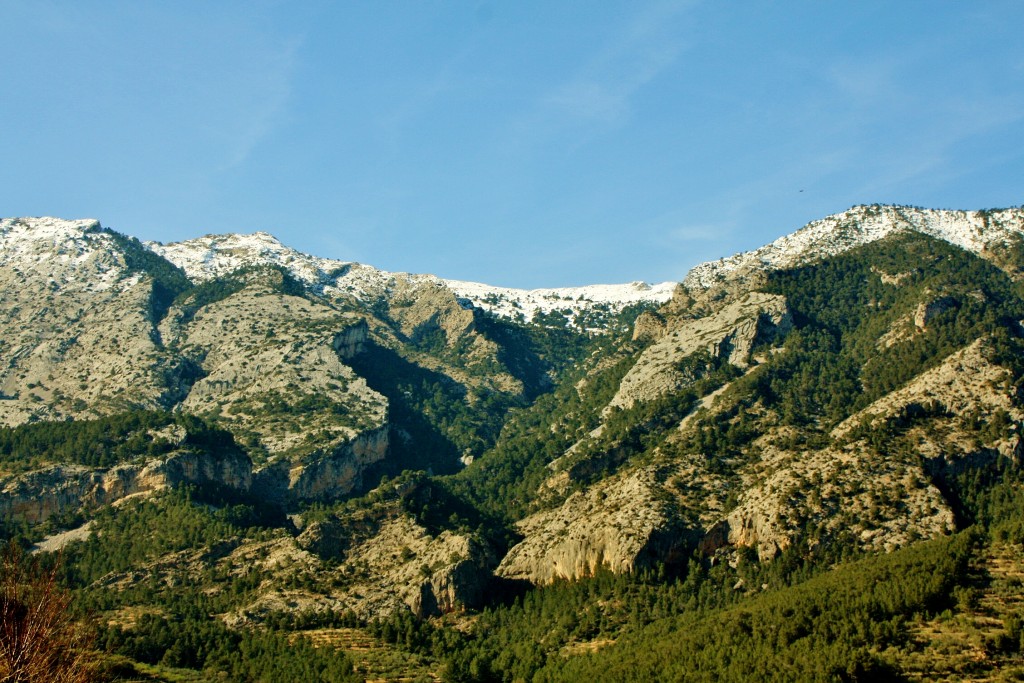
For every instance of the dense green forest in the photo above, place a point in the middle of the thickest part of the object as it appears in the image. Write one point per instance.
(108, 441)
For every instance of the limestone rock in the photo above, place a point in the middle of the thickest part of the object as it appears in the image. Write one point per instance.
(928, 310)
(964, 383)
(623, 524)
(78, 337)
(730, 333)
(328, 476)
(393, 564)
(885, 501)
(272, 370)
(649, 326)
(36, 496)
(422, 308)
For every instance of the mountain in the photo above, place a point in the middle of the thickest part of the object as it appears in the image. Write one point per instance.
(984, 233)
(499, 481)
(206, 258)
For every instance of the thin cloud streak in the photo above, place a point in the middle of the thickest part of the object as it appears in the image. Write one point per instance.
(603, 90)
(265, 106)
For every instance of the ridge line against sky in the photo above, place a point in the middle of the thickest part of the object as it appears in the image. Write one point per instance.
(532, 144)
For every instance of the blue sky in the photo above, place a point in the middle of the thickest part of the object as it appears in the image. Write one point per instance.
(523, 144)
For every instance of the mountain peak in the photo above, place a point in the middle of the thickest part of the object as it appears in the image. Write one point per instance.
(38, 239)
(44, 228)
(211, 256)
(973, 231)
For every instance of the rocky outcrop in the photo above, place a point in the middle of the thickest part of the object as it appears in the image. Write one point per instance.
(649, 326)
(76, 324)
(273, 370)
(36, 496)
(390, 564)
(881, 502)
(623, 524)
(422, 309)
(327, 477)
(876, 482)
(927, 310)
(729, 333)
(965, 384)
(329, 539)
(351, 340)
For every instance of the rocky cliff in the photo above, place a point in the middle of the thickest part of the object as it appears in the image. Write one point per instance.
(728, 333)
(624, 524)
(36, 496)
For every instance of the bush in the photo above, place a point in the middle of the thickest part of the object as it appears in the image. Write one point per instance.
(39, 640)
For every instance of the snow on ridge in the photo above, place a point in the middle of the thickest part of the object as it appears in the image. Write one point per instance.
(511, 302)
(66, 254)
(207, 257)
(971, 230)
(38, 239)
(211, 256)
(72, 242)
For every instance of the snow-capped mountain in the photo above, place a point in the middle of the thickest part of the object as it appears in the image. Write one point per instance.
(35, 240)
(205, 258)
(211, 256)
(975, 231)
(75, 254)
(24, 240)
(571, 301)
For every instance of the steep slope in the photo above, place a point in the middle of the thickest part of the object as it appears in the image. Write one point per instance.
(118, 328)
(827, 395)
(905, 328)
(320, 369)
(79, 322)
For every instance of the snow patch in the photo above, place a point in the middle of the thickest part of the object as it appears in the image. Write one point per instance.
(572, 301)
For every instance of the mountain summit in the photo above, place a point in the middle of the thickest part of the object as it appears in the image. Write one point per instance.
(979, 232)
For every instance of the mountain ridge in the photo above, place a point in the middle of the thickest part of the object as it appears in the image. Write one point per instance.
(974, 231)
(311, 441)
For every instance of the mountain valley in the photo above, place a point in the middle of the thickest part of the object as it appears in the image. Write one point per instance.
(799, 463)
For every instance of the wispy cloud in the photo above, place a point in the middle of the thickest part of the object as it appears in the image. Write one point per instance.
(262, 104)
(632, 58)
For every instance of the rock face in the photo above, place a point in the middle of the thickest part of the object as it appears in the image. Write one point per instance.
(728, 333)
(328, 476)
(422, 309)
(885, 502)
(394, 563)
(879, 491)
(273, 372)
(872, 484)
(352, 340)
(89, 330)
(281, 349)
(928, 310)
(622, 524)
(36, 496)
(649, 326)
(965, 383)
(253, 336)
(406, 566)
